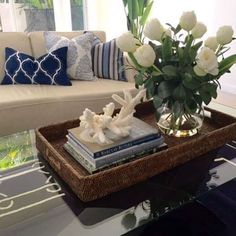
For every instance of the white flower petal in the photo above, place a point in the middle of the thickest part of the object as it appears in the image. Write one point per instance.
(199, 30)
(145, 55)
(153, 30)
(224, 34)
(188, 20)
(126, 42)
(215, 71)
(198, 71)
(206, 61)
(211, 43)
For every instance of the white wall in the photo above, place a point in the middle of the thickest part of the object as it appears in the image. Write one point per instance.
(109, 15)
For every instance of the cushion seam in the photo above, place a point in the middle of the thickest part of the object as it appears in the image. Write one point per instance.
(58, 101)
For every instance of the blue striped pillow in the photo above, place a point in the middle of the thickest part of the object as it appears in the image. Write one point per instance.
(108, 60)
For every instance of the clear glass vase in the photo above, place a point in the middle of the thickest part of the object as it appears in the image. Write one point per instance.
(184, 124)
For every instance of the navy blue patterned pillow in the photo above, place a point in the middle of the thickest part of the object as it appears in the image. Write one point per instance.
(107, 60)
(48, 69)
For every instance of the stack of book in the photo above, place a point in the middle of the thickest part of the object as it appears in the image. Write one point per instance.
(143, 140)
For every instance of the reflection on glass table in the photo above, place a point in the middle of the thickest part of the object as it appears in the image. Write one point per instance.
(17, 149)
(35, 201)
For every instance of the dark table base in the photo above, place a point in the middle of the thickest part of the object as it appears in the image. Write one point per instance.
(213, 214)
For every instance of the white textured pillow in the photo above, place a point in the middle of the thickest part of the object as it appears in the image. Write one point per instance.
(79, 62)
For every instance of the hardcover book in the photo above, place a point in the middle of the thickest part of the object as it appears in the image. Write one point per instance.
(116, 156)
(91, 169)
(141, 132)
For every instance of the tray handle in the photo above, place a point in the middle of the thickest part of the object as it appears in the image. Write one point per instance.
(52, 160)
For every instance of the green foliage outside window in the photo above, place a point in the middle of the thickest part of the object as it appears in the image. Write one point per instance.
(44, 4)
(37, 4)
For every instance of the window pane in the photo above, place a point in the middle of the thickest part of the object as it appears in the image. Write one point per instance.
(37, 14)
(77, 15)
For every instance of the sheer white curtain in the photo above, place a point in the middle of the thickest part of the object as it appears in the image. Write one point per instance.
(7, 14)
(109, 15)
(62, 15)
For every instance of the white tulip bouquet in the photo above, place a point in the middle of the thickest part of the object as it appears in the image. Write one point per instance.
(176, 67)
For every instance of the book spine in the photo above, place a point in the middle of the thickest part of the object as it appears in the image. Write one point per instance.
(126, 145)
(114, 156)
(92, 170)
(71, 136)
(81, 151)
(116, 148)
(132, 157)
(127, 152)
(143, 146)
(79, 158)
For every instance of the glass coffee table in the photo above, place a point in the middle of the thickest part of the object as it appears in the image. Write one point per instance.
(35, 201)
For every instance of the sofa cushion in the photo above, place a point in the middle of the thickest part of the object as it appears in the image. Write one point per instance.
(108, 60)
(50, 68)
(79, 62)
(17, 40)
(38, 42)
(25, 107)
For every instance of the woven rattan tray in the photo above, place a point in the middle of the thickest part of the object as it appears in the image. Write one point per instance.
(216, 131)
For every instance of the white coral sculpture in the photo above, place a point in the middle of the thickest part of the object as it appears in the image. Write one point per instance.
(105, 129)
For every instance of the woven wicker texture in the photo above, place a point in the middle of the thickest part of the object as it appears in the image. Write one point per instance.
(216, 131)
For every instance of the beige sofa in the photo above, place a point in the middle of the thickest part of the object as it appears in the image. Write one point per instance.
(24, 107)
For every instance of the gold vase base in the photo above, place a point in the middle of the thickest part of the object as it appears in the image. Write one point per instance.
(187, 128)
(179, 133)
